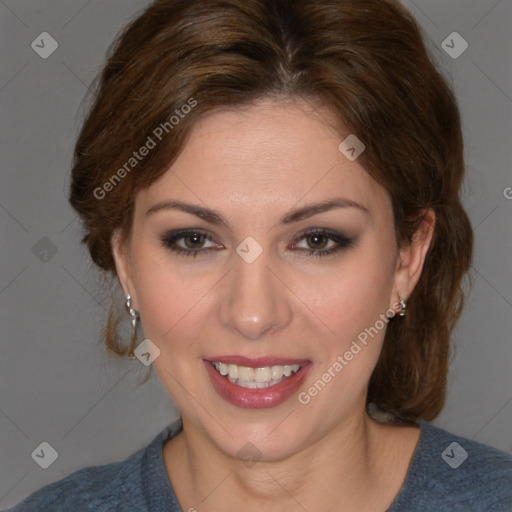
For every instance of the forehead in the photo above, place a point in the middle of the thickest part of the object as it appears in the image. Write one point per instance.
(265, 157)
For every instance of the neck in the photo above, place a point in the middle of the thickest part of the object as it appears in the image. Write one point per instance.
(357, 466)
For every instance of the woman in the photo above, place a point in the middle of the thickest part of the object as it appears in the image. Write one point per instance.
(275, 185)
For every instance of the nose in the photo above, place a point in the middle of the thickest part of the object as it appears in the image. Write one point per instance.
(255, 299)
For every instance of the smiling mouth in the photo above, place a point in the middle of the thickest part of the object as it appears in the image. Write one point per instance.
(256, 378)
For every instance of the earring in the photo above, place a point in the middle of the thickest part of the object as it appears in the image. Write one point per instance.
(134, 320)
(403, 306)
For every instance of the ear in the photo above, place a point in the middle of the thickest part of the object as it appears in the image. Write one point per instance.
(412, 257)
(120, 252)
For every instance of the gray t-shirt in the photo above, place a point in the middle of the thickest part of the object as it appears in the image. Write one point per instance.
(447, 473)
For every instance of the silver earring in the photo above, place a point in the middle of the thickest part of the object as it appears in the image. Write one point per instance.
(134, 320)
(403, 306)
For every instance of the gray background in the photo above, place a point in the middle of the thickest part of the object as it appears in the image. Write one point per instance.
(57, 384)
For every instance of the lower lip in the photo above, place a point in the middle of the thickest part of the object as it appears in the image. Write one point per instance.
(256, 398)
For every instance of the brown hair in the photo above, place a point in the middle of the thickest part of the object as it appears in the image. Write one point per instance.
(367, 62)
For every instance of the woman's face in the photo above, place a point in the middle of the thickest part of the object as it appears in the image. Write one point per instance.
(254, 286)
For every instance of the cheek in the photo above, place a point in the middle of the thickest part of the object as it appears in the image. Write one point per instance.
(354, 296)
(353, 305)
(169, 305)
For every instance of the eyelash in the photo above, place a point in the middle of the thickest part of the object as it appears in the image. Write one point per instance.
(343, 242)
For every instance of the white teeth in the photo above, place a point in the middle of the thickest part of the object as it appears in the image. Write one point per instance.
(233, 371)
(262, 374)
(245, 373)
(254, 385)
(253, 378)
(276, 372)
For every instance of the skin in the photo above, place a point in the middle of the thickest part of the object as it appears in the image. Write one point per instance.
(253, 166)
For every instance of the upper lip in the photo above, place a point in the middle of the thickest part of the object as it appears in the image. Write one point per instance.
(257, 362)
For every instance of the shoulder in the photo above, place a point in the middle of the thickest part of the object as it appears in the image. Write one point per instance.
(90, 488)
(105, 488)
(450, 472)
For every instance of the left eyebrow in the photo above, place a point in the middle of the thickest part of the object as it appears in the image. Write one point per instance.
(314, 208)
(216, 218)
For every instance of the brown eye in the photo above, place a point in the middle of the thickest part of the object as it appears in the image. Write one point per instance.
(197, 239)
(193, 242)
(318, 239)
